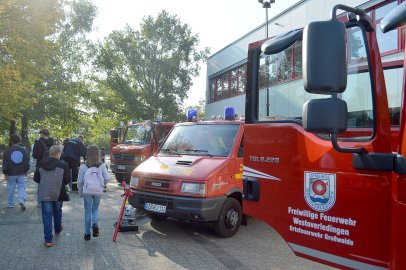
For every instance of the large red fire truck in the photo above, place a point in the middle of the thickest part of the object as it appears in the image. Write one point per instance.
(196, 175)
(324, 157)
(133, 144)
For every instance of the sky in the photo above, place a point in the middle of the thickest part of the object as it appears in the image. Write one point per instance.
(217, 22)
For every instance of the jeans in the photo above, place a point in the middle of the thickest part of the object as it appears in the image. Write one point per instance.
(49, 210)
(91, 203)
(12, 182)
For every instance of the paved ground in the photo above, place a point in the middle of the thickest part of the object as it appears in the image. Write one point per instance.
(162, 245)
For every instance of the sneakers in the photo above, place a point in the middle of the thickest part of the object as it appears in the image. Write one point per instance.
(95, 230)
(59, 233)
(87, 237)
(105, 188)
(46, 244)
(22, 206)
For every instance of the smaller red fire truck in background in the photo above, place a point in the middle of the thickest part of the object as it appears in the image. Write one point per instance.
(196, 175)
(133, 144)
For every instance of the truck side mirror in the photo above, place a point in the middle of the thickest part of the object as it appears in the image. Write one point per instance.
(325, 72)
(325, 115)
(114, 135)
(324, 57)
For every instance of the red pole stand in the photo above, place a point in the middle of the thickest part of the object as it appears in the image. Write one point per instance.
(127, 192)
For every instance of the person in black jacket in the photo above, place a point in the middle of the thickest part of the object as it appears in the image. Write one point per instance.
(42, 145)
(52, 175)
(73, 150)
(41, 149)
(16, 163)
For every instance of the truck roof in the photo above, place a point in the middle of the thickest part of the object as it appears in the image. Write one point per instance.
(155, 123)
(213, 122)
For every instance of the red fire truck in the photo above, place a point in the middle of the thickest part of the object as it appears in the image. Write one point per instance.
(133, 144)
(196, 175)
(324, 157)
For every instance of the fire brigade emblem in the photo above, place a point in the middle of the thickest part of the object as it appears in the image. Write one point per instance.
(320, 190)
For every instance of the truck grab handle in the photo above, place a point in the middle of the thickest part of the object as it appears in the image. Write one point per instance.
(357, 11)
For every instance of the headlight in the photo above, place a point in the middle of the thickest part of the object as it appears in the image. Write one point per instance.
(134, 181)
(139, 158)
(193, 188)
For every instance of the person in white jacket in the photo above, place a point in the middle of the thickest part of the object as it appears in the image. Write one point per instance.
(92, 196)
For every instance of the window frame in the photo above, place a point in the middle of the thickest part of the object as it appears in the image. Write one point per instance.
(228, 93)
(324, 136)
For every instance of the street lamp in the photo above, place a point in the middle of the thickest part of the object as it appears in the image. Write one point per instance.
(266, 4)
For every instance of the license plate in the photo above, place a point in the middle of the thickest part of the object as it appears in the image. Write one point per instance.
(121, 167)
(155, 207)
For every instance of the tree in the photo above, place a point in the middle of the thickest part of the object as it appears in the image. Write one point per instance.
(62, 98)
(147, 73)
(44, 54)
(26, 29)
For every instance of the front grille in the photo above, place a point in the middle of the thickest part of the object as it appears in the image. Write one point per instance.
(157, 184)
(123, 157)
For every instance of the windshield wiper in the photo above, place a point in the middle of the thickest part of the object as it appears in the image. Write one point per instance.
(167, 150)
(196, 150)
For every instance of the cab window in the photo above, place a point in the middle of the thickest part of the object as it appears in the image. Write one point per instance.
(281, 94)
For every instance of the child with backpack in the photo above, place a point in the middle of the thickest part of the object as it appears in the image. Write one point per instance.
(92, 178)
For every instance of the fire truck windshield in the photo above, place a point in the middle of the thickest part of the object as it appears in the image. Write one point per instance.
(202, 140)
(137, 134)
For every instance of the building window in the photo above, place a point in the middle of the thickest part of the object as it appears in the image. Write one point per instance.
(229, 84)
(241, 78)
(282, 67)
(388, 42)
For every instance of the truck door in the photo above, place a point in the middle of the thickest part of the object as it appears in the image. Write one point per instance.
(311, 194)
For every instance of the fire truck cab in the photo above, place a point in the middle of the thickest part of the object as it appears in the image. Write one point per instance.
(133, 144)
(324, 157)
(196, 175)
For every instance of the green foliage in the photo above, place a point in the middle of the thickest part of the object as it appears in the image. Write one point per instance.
(147, 73)
(53, 76)
(26, 29)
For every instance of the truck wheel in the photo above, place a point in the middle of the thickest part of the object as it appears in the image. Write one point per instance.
(121, 177)
(229, 220)
(118, 177)
(155, 217)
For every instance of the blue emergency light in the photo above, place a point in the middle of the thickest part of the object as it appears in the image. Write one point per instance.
(191, 115)
(158, 119)
(229, 113)
(133, 122)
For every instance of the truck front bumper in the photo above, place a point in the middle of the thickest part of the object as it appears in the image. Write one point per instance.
(122, 169)
(186, 208)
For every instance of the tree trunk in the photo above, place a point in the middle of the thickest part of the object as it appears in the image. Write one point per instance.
(13, 130)
(24, 132)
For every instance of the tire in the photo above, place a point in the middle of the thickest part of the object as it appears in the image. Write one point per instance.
(229, 220)
(155, 217)
(118, 177)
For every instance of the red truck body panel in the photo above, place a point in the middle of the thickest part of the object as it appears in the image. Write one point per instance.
(125, 157)
(311, 194)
